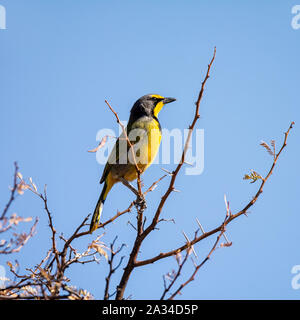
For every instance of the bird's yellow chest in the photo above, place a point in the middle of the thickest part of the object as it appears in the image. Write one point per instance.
(146, 138)
(154, 139)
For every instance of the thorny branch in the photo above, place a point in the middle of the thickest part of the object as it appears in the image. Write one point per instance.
(221, 229)
(13, 192)
(142, 234)
(7, 224)
(112, 269)
(174, 275)
(230, 219)
(47, 280)
(133, 262)
(138, 170)
(197, 267)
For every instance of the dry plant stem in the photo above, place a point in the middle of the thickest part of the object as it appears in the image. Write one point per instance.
(78, 234)
(54, 249)
(231, 217)
(142, 234)
(175, 173)
(197, 267)
(140, 200)
(130, 187)
(69, 241)
(139, 183)
(112, 269)
(41, 277)
(47, 280)
(117, 215)
(154, 185)
(22, 243)
(168, 288)
(13, 192)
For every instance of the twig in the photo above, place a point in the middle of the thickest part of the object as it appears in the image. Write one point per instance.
(176, 276)
(138, 170)
(230, 217)
(192, 277)
(13, 191)
(142, 234)
(112, 269)
(154, 184)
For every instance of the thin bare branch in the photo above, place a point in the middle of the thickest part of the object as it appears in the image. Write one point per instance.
(142, 234)
(230, 218)
(12, 193)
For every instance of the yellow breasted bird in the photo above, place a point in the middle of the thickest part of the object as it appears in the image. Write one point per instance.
(144, 132)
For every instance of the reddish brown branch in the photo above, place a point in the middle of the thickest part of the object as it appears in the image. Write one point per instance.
(176, 171)
(19, 240)
(197, 267)
(112, 269)
(176, 275)
(142, 234)
(231, 217)
(13, 192)
(154, 185)
(138, 170)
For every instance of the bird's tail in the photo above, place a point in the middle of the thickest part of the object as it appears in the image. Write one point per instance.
(98, 210)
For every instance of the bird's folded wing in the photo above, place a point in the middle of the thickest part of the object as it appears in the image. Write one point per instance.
(117, 157)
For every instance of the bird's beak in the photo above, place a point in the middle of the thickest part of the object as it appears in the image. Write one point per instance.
(168, 100)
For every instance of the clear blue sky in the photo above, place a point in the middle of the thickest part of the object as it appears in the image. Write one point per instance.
(59, 60)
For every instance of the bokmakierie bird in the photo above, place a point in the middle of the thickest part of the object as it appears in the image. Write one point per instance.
(144, 132)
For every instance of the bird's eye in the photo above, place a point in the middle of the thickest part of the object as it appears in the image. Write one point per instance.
(157, 99)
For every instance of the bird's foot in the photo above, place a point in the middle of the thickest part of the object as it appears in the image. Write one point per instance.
(140, 202)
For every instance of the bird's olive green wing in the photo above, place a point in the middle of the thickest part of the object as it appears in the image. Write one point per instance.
(114, 157)
(114, 154)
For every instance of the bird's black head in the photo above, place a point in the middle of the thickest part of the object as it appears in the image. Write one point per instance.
(149, 105)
